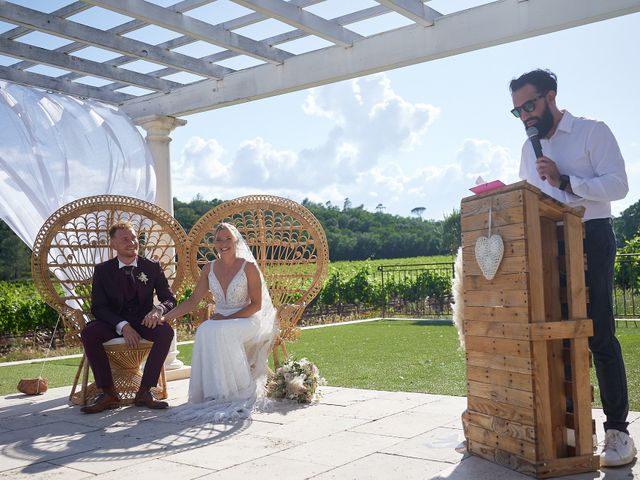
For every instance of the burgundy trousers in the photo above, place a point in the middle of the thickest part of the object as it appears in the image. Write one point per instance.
(96, 333)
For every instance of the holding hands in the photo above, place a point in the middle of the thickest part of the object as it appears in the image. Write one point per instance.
(153, 318)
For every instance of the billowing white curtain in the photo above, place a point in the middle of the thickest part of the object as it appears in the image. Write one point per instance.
(55, 149)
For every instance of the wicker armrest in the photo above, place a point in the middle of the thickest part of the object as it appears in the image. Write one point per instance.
(288, 316)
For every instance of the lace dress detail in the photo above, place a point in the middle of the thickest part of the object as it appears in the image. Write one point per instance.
(224, 382)
(237, 294)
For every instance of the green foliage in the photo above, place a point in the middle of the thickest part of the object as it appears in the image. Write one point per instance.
(627, 268)
(189, 213)
(451, 234)
(15, 256)
(361, 285)
(356, 234)
(627, 225)
(22, 310)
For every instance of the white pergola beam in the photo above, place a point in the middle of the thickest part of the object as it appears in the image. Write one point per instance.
(307, 21)
(135, 24)
(62, 86)
(275, 40)
(509, 20)
(36, 20)
(63, 12)
(413, 9)
(43, 56)
(199, 30)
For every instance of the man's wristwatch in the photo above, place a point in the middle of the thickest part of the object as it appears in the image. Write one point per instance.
(564, 182)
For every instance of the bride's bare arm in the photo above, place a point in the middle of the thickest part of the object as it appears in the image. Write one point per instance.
(254, 286)
(192, 302)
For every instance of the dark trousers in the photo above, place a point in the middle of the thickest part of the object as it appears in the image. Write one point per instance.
(600, 248)
(96, 333)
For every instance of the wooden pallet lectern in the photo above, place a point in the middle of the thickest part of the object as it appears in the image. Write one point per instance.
(526, 331)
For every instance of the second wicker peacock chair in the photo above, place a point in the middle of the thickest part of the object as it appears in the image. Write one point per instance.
(288, 243)
(71, 242)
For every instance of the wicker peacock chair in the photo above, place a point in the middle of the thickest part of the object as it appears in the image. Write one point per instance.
(288, 243)
(71, 242)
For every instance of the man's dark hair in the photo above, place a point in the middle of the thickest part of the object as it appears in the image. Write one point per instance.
(543, 80)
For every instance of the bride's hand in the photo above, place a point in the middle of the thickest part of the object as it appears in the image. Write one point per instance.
(218, 316)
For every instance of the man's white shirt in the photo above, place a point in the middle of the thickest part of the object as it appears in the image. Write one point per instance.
(588, 153)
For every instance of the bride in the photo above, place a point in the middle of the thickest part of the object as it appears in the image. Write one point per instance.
(229, 362)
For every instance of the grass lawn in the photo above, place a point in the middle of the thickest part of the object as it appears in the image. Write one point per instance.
(411, 356)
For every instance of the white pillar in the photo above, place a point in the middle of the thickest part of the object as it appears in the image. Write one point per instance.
(158, 139)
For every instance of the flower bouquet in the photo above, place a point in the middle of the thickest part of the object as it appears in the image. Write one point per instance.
(296, 380)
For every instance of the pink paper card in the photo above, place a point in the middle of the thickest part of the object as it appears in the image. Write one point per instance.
(485, 187)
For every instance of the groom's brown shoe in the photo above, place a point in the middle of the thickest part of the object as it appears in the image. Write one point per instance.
(145, 399)
(102, 402)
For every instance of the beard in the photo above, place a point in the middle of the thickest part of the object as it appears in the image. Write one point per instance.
(544, 123)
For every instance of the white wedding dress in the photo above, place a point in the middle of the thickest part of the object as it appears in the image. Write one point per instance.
(229, 361)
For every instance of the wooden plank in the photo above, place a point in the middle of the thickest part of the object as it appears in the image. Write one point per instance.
(542, 396)
(501, 201)
(516, 248)
(497, 360)
(504, 281)
(534, 254)
(507, 265)
(550, 271)
(496, 314)
(510, 396)
(508, 233)
(518, 331)
(559, 330)
(502, 298)
(505, 459)
(537, 312)
(521, 415)
(502, 426)
(557, 397)
(521, 448)
(499, 217)
(581, 392)
(568, 466)
(502, 378)
(504, 346)
(574, 257)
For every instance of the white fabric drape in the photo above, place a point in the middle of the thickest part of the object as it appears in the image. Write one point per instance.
(55, 149)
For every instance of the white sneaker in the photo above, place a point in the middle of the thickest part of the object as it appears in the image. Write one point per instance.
(618, 449)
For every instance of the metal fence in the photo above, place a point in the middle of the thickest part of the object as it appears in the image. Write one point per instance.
(626, 293)
(406, 289)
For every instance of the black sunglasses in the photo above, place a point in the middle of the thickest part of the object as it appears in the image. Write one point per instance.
(528, 106)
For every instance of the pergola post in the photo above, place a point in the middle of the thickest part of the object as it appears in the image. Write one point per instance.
(158, 139)
(158, 129)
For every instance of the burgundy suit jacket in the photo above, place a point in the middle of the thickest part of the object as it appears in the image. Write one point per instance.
(107, 294)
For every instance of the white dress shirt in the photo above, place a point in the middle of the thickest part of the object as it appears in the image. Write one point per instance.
(588, 153)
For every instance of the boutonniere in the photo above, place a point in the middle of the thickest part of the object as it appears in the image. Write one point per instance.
(143, 278)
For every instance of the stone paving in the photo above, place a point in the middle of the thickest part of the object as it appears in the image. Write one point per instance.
(348, 434)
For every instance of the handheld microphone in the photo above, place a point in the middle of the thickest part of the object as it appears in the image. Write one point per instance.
(532, 133)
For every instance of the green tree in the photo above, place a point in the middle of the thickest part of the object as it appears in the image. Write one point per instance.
(15, 256)
(451, 232)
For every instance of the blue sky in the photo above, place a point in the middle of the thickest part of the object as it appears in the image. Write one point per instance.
(416, 136)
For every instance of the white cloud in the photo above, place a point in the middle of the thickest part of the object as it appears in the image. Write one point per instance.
(361, 157)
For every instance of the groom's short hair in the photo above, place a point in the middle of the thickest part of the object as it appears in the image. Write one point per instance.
(121, 225)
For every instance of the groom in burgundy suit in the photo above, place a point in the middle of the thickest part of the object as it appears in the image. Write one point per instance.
(122, 304)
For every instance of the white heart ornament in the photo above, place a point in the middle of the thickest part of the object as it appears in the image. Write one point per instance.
(489, 253)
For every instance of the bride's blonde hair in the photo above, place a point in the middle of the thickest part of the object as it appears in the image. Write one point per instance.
(228, 226)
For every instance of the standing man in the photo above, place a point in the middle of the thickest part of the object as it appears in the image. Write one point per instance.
(582, 167)
(122, 304)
